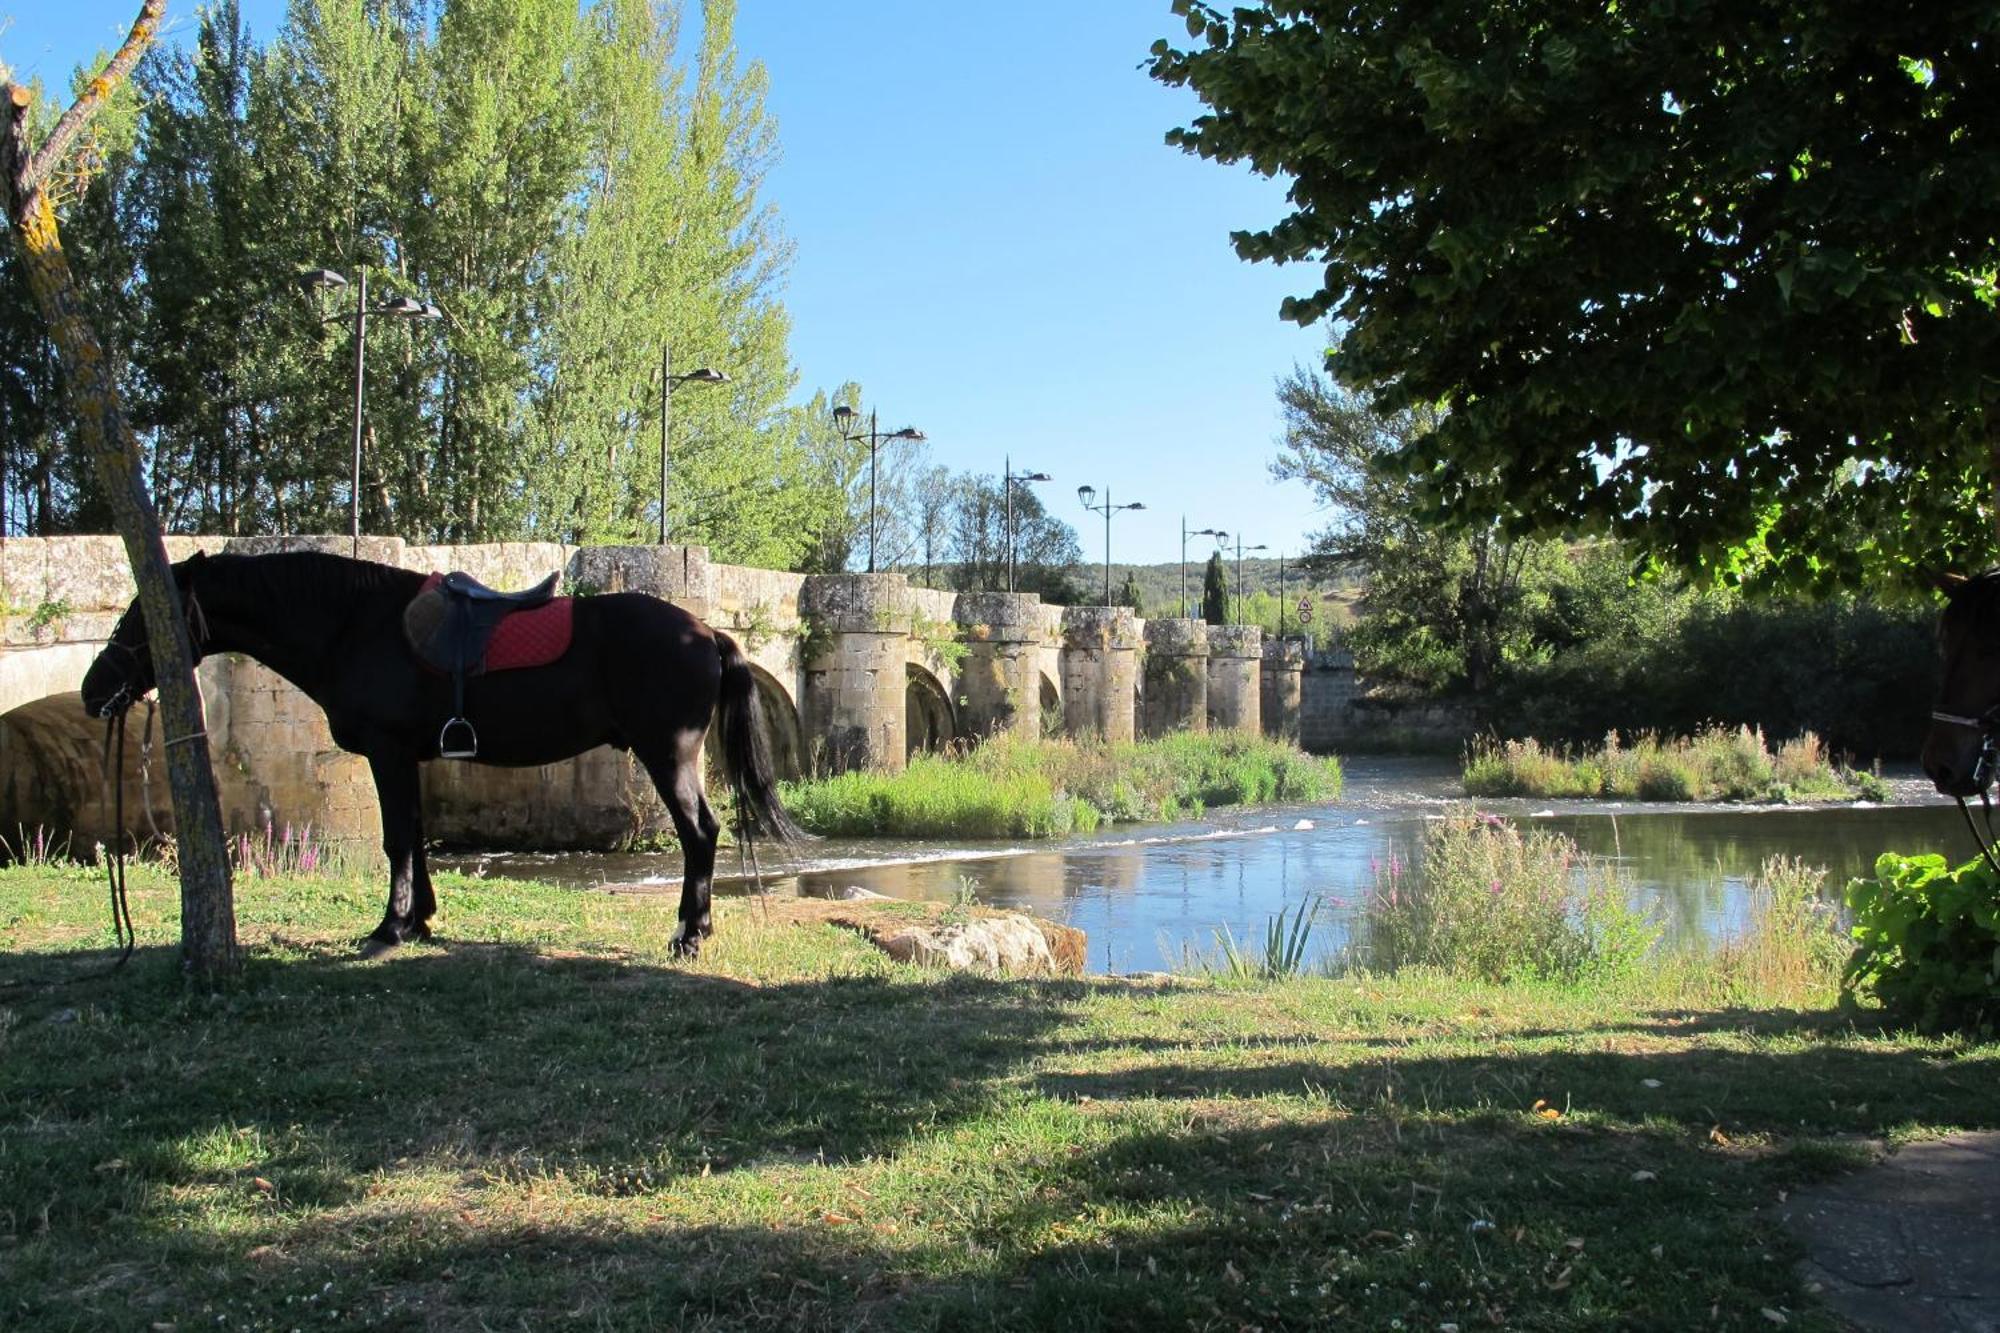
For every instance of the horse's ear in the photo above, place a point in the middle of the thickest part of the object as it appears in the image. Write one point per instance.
(1947, 582)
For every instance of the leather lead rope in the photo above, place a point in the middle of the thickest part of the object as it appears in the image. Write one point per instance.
(114, 844)
(1984, 841)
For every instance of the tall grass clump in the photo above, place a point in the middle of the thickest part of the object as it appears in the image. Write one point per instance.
(1286, 936)
(1009, 787)
(1716, 764)
(1489, 902)
(1791, 949)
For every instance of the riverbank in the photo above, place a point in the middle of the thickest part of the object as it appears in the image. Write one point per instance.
(1011, 788)
(542, 1118)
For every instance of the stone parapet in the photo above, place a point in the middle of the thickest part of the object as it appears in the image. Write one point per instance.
(1245, 641)
(1184, 638)
(857, 603)
(1014, 617)
(1100, 627)
(680, 574)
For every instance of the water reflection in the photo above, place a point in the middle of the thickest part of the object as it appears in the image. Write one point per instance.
(1144, 896)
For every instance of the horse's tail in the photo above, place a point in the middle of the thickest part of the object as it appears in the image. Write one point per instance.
(746, 760)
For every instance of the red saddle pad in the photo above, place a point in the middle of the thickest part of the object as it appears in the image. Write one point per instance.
(525, 638)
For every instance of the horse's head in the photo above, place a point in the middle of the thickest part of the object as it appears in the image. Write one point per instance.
(1963, 746)
(123, 672)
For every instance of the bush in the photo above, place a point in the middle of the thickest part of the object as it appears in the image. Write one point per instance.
(1927, 942)
(1492, 903)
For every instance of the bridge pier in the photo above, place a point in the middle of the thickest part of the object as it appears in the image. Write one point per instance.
(1235, 661)
(1176, 675)
(1000, 680)
(1282, 688)
(1100, 666)
(856, 656)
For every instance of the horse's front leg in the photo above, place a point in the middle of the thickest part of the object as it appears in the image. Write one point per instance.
(396, 787)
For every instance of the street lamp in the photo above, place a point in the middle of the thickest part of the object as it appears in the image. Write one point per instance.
(400, 307)
(1008, 476)
(1089, 493)
(1240, 549)
(843, 417)
(1186, 611)
(668, 380)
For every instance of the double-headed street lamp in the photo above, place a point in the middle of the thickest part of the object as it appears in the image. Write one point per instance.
(1220, 536)
(1087, 494)
(668, 383)
(843, 417)
(1240, 549)
(1008, 476)
(399, 307)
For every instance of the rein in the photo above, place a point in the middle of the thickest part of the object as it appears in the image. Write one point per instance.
(114, 845)
(1988, 727)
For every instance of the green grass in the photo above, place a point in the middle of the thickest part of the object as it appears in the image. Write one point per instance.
(1719, 764)
(543, 1122)
(1009, 788)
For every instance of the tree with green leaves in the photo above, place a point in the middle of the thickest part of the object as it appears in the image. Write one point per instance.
(1719, 280)
(1444, 609)
(1215, 591)
(29, 172)
(1129, 595)
(579, 198)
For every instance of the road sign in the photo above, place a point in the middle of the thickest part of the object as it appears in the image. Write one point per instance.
(1305, 610)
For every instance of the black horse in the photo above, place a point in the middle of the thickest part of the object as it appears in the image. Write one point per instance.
(1959, 752)
(640, 674)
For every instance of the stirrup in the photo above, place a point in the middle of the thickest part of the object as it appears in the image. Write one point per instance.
(471, 741)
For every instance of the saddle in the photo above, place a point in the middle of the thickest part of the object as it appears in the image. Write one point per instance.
(458, 627)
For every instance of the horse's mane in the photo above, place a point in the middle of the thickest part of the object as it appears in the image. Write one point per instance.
(308, 578)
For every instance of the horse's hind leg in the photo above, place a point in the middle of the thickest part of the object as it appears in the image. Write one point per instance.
(677, 774)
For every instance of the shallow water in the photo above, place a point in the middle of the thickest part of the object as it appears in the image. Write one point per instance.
(1148, 894)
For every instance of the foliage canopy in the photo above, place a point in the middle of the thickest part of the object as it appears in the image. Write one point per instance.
(1717, 278)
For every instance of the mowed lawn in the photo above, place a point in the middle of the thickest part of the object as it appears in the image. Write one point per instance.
(543, 1122)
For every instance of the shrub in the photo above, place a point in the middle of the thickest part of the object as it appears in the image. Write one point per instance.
(1493, 903)
(1927, 942)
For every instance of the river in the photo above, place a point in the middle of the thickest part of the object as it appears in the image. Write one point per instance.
(1147, 895)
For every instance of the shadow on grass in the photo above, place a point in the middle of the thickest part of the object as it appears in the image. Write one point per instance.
(1268, 1185)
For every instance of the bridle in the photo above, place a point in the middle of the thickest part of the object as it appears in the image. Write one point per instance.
(1987, 724)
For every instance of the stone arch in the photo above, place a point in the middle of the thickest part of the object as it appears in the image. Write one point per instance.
(52, 778)
(1052, 707)
(784, 738)
(929, 724)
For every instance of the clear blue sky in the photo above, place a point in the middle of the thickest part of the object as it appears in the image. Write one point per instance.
(992, 239)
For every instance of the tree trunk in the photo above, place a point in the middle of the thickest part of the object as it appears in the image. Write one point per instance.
(208, 916)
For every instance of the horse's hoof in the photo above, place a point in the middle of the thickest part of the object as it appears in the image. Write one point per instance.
(375, 946)
(687, 948)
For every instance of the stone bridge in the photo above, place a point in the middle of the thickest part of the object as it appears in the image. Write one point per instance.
(854, 671)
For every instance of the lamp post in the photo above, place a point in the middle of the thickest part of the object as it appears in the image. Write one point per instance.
(668, 381)
(1087, 494)
(1217, 533)
(843, 416)
(1240, 549)
(1008, 476)
(400, 307)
